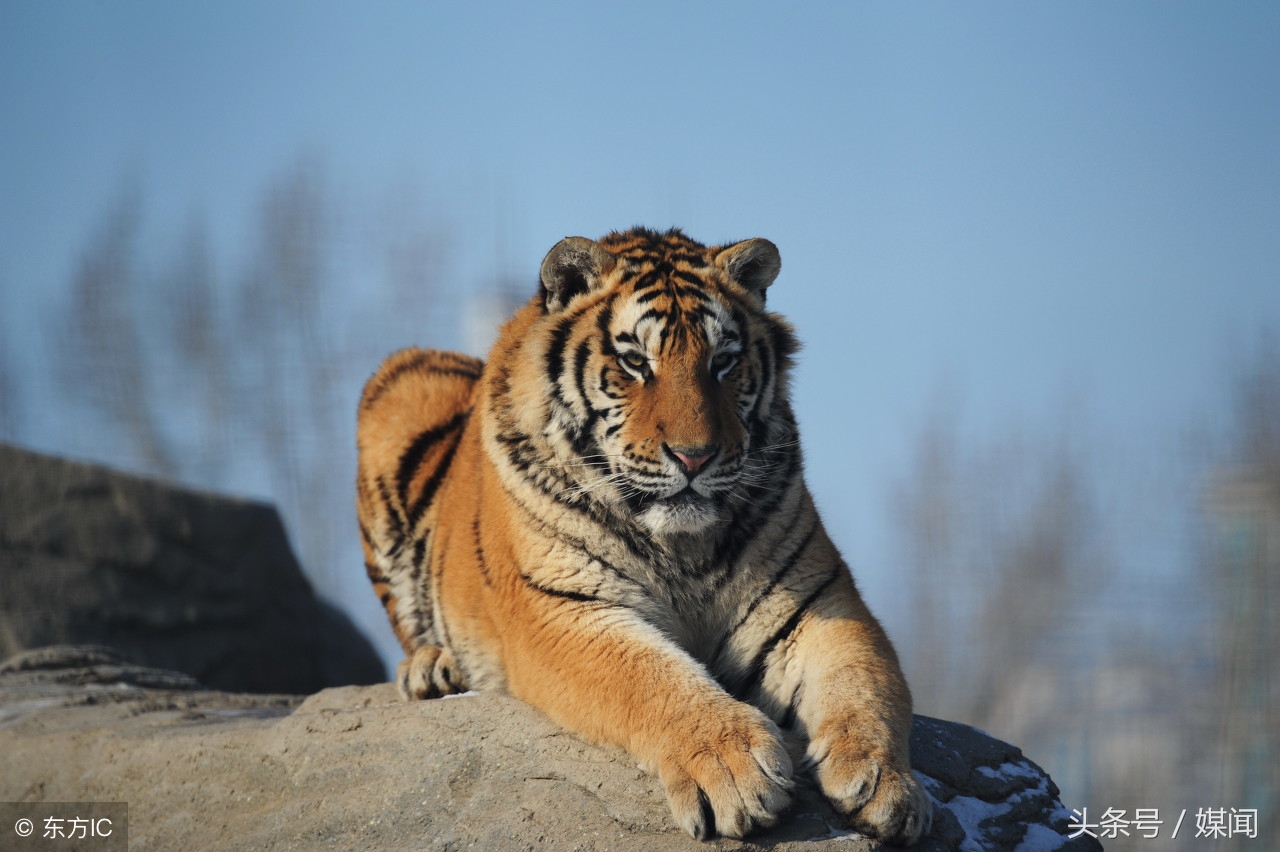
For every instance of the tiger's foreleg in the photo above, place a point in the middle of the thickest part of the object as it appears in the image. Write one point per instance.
(428, 671)
(840, 682)
(600, 670)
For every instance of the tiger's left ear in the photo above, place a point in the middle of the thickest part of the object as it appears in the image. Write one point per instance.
(572, 267)
(751, 263)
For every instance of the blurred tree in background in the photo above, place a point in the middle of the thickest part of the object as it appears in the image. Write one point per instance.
(1139, 685)
(245, 379)
(1241, 578)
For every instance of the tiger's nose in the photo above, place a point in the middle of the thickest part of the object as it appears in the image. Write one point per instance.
(692, 459)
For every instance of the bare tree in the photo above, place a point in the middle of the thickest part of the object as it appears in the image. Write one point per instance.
(1242, 576)
(249, 381)
(928, 512)
(991, 539)
(1010, 556)
(10, 414)
(102, 359)
(287, 357)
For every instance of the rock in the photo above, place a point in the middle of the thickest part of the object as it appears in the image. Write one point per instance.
(175, 589)
(355, 768)
(81, 665)
(171, 578)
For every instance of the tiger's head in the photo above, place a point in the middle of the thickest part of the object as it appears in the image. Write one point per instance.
(664, 378)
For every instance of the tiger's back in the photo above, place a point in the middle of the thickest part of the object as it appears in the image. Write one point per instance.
(609, 520)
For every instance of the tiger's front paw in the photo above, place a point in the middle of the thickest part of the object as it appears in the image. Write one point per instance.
(728, 776)
(879, 798)
(429, 672)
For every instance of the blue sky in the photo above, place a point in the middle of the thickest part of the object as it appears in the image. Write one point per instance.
(1046, 210)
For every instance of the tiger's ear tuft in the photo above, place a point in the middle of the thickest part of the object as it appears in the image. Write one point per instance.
(751, 263)
(572, 267)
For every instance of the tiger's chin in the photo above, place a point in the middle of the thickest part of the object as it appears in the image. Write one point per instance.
(686, 513)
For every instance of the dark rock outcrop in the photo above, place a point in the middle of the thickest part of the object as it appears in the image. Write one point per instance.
(168, 577)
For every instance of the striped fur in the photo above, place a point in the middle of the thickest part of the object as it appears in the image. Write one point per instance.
(609, 520)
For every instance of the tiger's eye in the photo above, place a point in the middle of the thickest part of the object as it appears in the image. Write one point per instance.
(634, 360)
(723, 361)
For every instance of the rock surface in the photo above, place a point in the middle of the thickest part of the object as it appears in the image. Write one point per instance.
(355, 768)
(177, 590)
(172, 578)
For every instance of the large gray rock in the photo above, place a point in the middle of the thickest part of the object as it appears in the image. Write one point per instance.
(171, 578)
(355, 768)
(176, 589)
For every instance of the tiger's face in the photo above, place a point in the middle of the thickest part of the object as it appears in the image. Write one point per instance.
(665, 370)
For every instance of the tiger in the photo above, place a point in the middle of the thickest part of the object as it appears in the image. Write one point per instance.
(608, 520)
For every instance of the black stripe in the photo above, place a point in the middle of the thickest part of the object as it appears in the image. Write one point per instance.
(708, 826)
(752, 388)
(765, 356)
(480, 560)
(366, 536)
(653, 313)
(398, 531)
(784, 341)
(751, 678)
(742, 301)
(501, 383)
(790, 562)
(576, 543)
(646, 281)
(441, 629)
(555, 350)
(762, 501)
(603, 320)
(580, 370)
(584, 443)
(420, 551)
(375, 573)
(604, 384)
(432, 485)
(419, 621)
(698, 313)
(758, 428)
(522, 457)
(417, 450)
(646, 296)
(461, 367)
(559, 593)
(690, 278)
(690, 259)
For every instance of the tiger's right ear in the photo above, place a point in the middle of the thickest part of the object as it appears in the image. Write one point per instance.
(573, 267)
(752, 263)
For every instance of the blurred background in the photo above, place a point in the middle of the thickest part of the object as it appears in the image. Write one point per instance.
(1033, 251)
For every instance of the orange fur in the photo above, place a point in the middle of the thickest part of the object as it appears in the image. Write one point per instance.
(609, 520)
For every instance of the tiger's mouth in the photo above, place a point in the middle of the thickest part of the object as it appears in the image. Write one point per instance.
(686, 511)
(685, 495)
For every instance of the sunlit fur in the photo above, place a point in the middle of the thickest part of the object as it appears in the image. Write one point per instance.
(609, 520)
